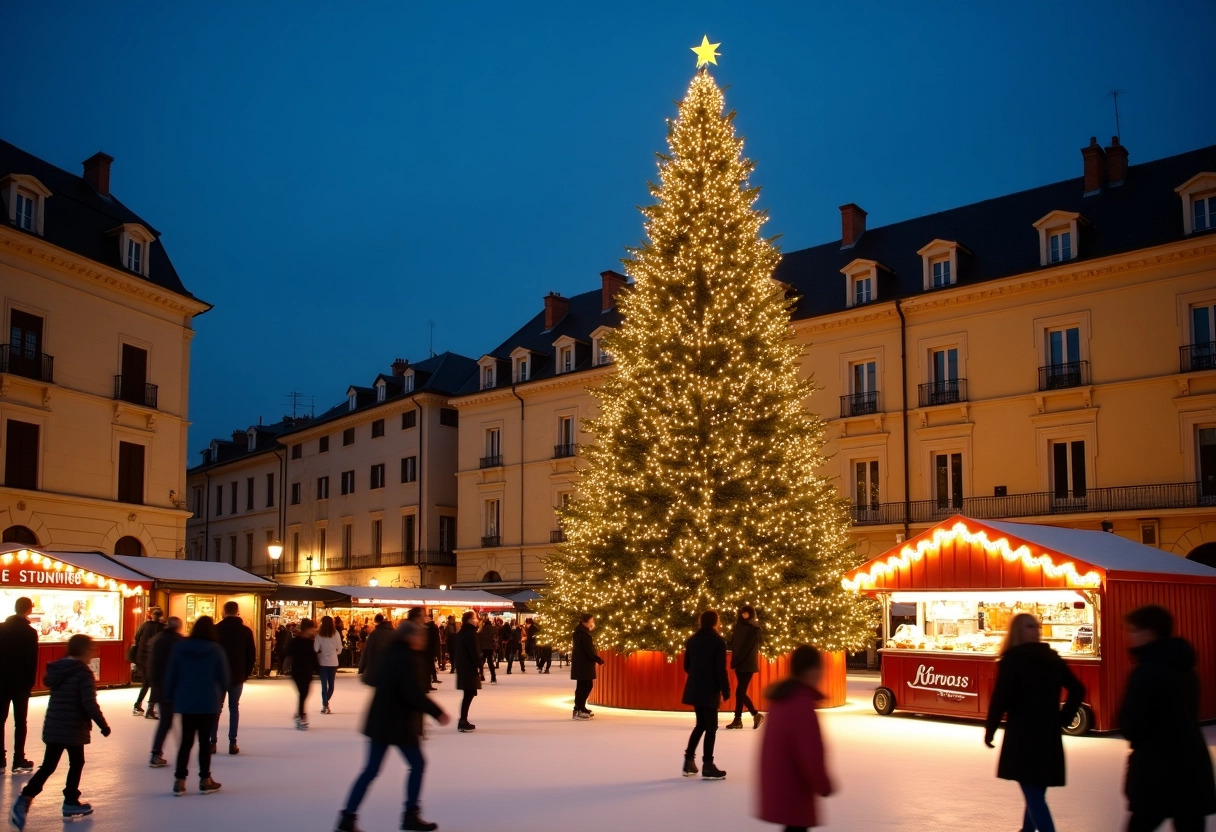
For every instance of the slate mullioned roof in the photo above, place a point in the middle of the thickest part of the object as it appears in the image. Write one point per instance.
(266, 437)
(79, 219)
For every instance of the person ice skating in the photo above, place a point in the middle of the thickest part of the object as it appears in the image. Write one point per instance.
(466, 658)
(195, 682)
(147, 631)
(302, 656)
(237, 641)
(378, 641)
(745, 661)
(583, 662)
(1169, 771)
(450, 631)
(530, 631)
(1029, 677)
(67, 727)
(432, 651)
(513, 639)
(18, 671)
(328, 645)
(705, 664)
(162, 649)
(486, 636)
(793, 768)
(394, 718)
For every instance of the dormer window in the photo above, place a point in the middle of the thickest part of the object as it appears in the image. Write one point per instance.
(24, 196)
(489, 372)
(408, 381)
(252, 444)
(521, 369)
(1203, 212)
(134, 246)
(600, 355)
(941, 272)
(1058, 237)
(381, 390)
(26, 213)
(565, 359)
(863, 290)
(939, 263)
(861, 281)
(1198, 202)
(522, 364)
(352, 399)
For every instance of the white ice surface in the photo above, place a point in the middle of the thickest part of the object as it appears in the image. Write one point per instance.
(528, 766)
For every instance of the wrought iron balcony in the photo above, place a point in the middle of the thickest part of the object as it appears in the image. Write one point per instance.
(557, 536)
(436, 557)
(560, 451)
(36, 365)
(859, 404)
(491, 540)
(877, 513)
(336, 562)
(135, 392)
(491, 461)
(365, 561)
(1063, 376)
(1195, 357)
(950, 391)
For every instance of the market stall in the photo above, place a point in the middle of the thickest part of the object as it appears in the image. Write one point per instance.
(75, 592)
(967, 578)
(359, 602)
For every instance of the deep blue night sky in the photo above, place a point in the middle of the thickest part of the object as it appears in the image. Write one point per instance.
(331, 179)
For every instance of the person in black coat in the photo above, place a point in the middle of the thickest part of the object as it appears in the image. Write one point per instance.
(1169, 772)
(513, 639)
(486, 637)
(147, 631)
(237, 641)
(195, 682)
(432, 649)
(395, 719)
(705, 664)
(466, 658)
(302, 655)
(1029, 677)
(583, 661)
(18, 671)
(745, 661)
(162, 649)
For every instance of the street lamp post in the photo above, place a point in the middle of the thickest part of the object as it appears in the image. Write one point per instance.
(309, 581)
(275, 551)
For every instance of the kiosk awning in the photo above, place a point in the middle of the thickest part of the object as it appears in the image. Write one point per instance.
(101, 567)
(306, 594)
(193, 574)
(380, 596)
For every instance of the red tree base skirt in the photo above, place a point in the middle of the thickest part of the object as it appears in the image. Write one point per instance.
(647, 681)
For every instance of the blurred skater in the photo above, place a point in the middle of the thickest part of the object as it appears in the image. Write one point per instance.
(583, 662)
(195, 682)
(18, 672)
(302, 659)
(485, 641)
(745, 661)
(162, 649)
(705, 664)
(328, 645)
(466, 658)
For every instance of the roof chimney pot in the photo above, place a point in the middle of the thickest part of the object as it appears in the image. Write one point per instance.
(1095, 166)
(556, 308)
(612, 283)
(97, 172)
(852, 224)
(1116, 163)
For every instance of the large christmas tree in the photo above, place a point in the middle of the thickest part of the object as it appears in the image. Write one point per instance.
(701, 489)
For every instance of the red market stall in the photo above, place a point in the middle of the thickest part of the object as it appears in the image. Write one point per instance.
(76, 592)
(966, 579)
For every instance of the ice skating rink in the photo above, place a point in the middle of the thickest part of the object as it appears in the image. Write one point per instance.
(529, 767)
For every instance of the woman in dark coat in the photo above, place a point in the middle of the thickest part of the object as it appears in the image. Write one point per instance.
(467, 659)
(1169, 772)
(705, 664)
(583, 661)
(485, 641)
(302, 656)
(1029, 678)
(745, 661)
(196, 682)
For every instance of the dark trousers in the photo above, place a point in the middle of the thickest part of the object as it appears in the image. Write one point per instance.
(487, 658)
(544, 658)
(162, 728)
(707, 725)
(1036, 816)
(50, 761)
(742, 700)
(303, 683)
(513, 655)
(375, 756)
(465, 703)
(234, 713)
(796, 829)
(20, 701)
(200, 725)
(1148, 821)
(582, 689)
(143, 691)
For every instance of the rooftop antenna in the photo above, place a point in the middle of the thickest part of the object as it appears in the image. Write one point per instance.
(1115, 95)
(431, 348)
(298, 402)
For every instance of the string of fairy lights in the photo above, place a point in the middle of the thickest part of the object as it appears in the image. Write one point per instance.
(700, 490)
(47, 563)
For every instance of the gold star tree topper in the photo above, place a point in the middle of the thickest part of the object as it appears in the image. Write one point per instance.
(706, 53)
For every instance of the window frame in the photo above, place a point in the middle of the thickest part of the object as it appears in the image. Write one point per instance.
(1200, 186)
(1056, 223)
(375, 476)
(29, 187)
(346, 483)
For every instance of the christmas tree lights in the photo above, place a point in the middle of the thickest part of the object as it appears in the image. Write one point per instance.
(700, 490)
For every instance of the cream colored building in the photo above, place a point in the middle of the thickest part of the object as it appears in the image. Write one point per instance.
(94, 369)
(1048, 356)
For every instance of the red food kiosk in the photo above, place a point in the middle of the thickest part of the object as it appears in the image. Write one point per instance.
(75, 592)
(963, 580)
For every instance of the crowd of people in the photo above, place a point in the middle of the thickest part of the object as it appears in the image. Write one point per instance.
(192, 676)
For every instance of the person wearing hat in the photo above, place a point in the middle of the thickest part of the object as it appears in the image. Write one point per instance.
(147, 631)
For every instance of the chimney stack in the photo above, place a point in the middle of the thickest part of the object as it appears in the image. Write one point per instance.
(240, 436)
(97, 172)
(399, 367)
(852, 224)
(1116, 163)
(612, 283)
(556, 308)
(1095, 166)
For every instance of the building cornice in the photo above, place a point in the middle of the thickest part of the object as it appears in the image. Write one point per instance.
(362, 416)
(577, 378)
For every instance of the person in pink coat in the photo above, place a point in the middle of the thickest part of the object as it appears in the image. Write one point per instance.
(793, 769)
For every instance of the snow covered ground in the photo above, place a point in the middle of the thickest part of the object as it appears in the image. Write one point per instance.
(528, 766)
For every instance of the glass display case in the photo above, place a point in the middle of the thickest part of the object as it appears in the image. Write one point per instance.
(60, 614)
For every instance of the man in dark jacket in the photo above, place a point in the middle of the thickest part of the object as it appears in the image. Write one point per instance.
(583, 662)
(237, 641)
(147, 631)
(432, 650)
(18, 670)
(745, 661)
(450, 630)
(466, 658)
(1169, 772)
(513, 639)
(395, 718)
(69, 716)
(162, 649)
(377, 642)
(705, 664)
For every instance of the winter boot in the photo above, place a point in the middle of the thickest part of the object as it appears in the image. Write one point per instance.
(16, 816)
(179, 788)
(757, 720)
(138, 710)
(464, 726)
(233, 748)
(76, 809)
(346, 823)
(690, 766)
(157, 761)
(412, 820)
(23, 766)
(711, 771)
(738, 723)
(208, 786)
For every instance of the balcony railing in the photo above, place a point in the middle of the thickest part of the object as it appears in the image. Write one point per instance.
(557, 536)
(436, 557)
(134, 392)
(859, 404)
(365, 561)
(1062, 376)
(491, 540)
(36, 365)
(949, 391)
(334, 562)
(1194, 357)
(1044, 504)
(491, 461)
(560, 451)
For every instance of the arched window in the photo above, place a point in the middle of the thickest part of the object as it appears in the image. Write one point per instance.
(491, 578)
(1204, 553)
(20, 534)
(129, 546)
